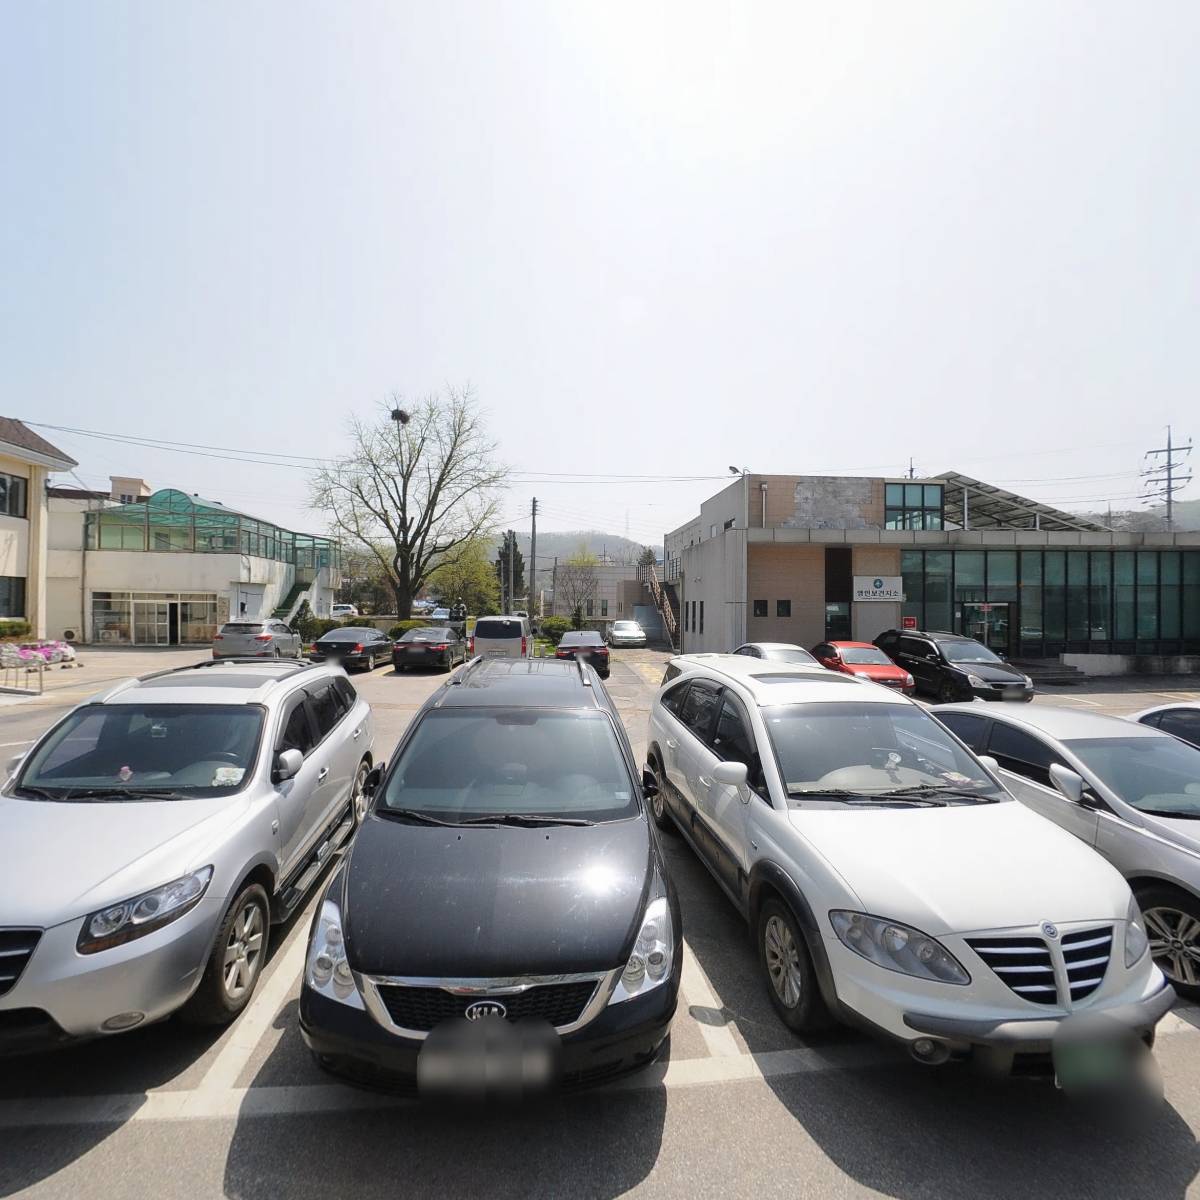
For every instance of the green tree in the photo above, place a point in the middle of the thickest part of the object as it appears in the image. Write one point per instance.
(468, 576)
(647, 558)
(509, 543)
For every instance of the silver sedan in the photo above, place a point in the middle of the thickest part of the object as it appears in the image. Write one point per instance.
(1130, 791)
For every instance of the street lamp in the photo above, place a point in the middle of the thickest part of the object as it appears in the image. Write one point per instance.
(739, 471)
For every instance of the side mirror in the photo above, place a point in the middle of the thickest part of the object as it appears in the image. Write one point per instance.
(373, 780)
(649, 783)
(288, 764)
(732, 774)
(1067, 782)
(990, 763)
(14, 763)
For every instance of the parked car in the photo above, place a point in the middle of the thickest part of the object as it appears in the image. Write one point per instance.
(441, 648)
(626, 633)
(1130, 791)
(886, 874)
(781, 652)
(353, 646)
(584, 644)
(1181, 719)
(257, 639)
(157, 831)
(866, 661)
(339, 612)
(952, 667)
(513, 809)
(500, 637)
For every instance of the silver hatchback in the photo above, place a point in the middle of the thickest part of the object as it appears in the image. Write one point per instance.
(157, 831)
(257, 639)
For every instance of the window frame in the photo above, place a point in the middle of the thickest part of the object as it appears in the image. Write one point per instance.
(761, 608)
(1042, 778)
(756, 780)
(701, 684)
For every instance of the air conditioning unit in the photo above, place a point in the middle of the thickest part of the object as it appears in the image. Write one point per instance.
(69, 635)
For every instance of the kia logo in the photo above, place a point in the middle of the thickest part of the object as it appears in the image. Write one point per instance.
(485, 1008)
(1050, 929)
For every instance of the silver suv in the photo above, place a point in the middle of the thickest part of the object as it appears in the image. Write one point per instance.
(257, 639)
(157, 831)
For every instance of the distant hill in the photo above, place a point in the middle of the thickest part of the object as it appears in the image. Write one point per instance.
(1148, 520)
(595, 541)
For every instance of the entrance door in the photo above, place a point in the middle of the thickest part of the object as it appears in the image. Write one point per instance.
(988, 623)
(173, 623)
(151, 622)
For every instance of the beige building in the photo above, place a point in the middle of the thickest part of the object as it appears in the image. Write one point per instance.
(26, 463)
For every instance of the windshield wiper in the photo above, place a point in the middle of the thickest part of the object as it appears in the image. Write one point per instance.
(37, 793)
(1162, 812)
(942, 789)
(413, 814)
(847, 796)
(128, 793)
(529, 819)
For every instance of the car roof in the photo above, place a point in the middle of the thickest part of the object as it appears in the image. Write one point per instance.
(852, 645)
(788, 683)
(776, 646)
(214, 681)
(1065, 724)
(522, 683)
(1146, 712)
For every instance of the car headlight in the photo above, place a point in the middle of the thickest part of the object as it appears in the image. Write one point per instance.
(650, 963)
(975, 681)
(327, 970)
(134, 918)
(1136, 941)
(897, 947)
(1028, 682)
(909, 681)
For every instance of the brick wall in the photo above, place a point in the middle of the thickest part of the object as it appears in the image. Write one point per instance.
(795, 573)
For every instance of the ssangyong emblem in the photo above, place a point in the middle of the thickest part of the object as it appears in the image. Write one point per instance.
(485, 1008)
(1050, 929)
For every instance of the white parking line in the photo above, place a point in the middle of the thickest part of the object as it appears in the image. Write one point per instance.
(253, 1024)
(5, 744)
(697, 992)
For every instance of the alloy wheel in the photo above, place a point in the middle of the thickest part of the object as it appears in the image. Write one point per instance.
(1175, 943)
(783, 961)
(243, 952)
(359, 795)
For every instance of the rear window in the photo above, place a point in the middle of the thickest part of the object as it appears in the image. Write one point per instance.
(581, 639)
(242, 627)
(425, 635)
(493, 627)
(462, 764)
(346, 635)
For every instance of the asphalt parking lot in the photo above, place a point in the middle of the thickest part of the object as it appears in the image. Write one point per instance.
(738, 1106)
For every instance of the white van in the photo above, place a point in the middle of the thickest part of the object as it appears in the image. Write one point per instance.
(502, 637)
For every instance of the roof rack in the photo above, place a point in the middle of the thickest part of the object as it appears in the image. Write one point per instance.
(468, 667)
(243, 660)
(583, 675)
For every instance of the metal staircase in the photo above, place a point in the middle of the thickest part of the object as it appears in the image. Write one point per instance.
(663, 602)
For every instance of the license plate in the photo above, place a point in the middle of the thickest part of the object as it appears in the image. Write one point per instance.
(489, 1059)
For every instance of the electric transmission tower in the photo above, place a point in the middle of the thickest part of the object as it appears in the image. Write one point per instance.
(1165, 474)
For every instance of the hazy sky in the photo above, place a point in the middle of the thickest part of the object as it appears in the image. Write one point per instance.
(654, 238)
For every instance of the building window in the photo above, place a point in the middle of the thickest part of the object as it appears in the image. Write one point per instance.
(913, 506)
(604, 608)
(13, 496)
(728, 524)
(701, 616)
(126, 498)
(760, 608)
(590, 607)
(783, 608)
(712, 531)
(12, 595)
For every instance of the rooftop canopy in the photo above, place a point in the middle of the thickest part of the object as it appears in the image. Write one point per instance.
(970, 504)
(172, 521)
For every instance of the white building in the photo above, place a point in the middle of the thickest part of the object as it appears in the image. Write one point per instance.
(168, 568)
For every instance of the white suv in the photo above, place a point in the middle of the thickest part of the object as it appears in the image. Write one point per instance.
(886, 874)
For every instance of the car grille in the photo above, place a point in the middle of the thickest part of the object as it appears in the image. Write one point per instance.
(421, 1008)
(16, 949)
(1026, 964)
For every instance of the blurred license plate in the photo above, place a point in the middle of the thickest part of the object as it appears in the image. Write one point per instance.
(1014, 691)
(489, 1059)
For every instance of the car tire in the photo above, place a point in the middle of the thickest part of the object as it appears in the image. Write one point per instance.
(788, 969)
(1170, 913)
(225, 988)
(358, 801)
(658, 804)
(947, 693)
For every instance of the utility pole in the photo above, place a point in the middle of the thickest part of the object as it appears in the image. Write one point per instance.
(912, 471)
(533, 592)
(554, 588)
(509, 606)
(1164, 479)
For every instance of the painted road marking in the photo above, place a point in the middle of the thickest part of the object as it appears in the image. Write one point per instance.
(697, 992)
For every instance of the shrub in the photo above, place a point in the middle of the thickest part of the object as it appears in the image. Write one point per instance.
(14, 628)
(553, 628)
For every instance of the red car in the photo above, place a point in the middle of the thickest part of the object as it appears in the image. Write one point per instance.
(866, 661)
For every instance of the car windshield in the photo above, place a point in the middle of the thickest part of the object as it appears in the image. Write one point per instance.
(864, 655)
(869, 749)
(464, 764)
(1159, 775)
(424, 635)
(116, 751)
(967, 652)
(789, 654)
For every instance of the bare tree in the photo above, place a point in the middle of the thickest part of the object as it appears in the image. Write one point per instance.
(576, 585)
(416, 488)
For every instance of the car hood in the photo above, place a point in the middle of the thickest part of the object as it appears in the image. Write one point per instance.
(1179, 831)
(484, 903)
(991, 672)
(964, 869)
(878, 671)
(64, 860)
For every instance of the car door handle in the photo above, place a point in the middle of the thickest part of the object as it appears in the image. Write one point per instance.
(672, 745)
(355, 734)
(321, 774)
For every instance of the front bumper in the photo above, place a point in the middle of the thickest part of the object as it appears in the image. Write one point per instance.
(1017, 693)
(63, 995)
(349, 1042)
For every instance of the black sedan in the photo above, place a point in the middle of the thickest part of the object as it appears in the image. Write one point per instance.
(586, 644)
(352, 646)
(429, 647)
(503, 923)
